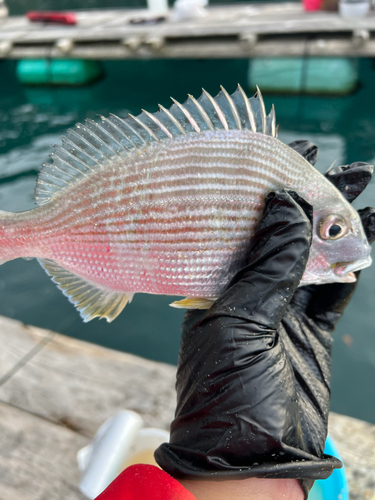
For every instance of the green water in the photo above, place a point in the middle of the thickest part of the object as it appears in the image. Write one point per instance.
(31, 119)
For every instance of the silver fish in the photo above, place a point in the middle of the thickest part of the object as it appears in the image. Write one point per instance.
(167, 203)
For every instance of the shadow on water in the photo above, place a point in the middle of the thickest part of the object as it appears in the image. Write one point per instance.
(31, 119)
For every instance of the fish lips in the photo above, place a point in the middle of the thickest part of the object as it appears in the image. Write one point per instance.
(343, 269)
(342, 272)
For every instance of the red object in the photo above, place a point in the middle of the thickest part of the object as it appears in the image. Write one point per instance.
(145, 482)
(312, 4)
(41, 16)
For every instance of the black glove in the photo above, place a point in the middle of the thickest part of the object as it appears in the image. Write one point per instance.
(254, 370)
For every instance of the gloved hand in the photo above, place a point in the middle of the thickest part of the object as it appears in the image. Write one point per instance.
(253, 380)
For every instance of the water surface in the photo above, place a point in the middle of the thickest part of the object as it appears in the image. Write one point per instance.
(32, 119)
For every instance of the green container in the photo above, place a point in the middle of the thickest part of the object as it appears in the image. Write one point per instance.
(310, 75)
(58, 71)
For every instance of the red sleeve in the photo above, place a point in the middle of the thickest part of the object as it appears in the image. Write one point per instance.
(145, 482)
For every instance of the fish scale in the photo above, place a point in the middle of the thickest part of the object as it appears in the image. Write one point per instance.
(167, 203)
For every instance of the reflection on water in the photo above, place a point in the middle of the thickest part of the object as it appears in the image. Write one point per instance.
(33, 119)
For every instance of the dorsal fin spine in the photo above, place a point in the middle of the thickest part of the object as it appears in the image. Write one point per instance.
(148, 130)
(59, 149)
(127, 124)
(188, 115)
(220, 114)
(118, 129)
(80, 150)
(273, 124)
(111, 137)
(233, 107)
(249, 110)
(158, 122)
(173, 119)
(202, 112)
(263, 109)
(81, 138)
(95, 136)
(92, 140)
(67, 173)
(59, 179)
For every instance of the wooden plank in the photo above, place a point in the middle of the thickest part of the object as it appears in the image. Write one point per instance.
(80, 385)
(38, 458)
(99, 16)
(338, 48)
(120, 19)
(190, 48)
(355, 441)
(17, 347)
(13, 23)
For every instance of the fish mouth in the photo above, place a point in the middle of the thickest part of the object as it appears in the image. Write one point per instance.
(345, 268)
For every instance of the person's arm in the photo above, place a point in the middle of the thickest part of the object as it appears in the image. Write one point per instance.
(145, 482)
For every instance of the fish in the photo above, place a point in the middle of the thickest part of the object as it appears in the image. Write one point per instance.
(168, 202)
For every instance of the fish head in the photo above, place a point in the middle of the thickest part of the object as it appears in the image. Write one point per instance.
(339, 245)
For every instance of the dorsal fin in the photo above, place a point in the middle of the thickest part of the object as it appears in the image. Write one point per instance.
(91, 146)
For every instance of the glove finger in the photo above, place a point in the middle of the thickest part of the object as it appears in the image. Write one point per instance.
(368, 220)
(306, 149)
(261, 291)
(351, 179)
(324, 304)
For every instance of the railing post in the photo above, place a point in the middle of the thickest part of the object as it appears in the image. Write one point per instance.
(3, 9)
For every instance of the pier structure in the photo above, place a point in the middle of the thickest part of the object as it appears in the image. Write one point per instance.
(231, 31)
(56, 391)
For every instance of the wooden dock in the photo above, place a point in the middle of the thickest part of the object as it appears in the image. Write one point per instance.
(235, 31)
(56, 391)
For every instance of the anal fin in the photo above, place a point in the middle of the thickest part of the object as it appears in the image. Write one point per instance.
(91, 301)
(193, 303)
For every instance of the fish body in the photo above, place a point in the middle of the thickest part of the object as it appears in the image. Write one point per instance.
(168, 204)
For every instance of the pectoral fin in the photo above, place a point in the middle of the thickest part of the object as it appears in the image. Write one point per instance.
(193, 303)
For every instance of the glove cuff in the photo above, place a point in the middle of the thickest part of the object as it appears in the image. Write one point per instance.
(182, 463)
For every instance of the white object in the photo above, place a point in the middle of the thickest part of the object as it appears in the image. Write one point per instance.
(157, 6)
(119, 442)
(3, 9)
(354, 9)
(144, 445)
(189, 9)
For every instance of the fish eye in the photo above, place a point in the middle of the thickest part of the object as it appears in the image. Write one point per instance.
(334, 230)
(332, 227)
